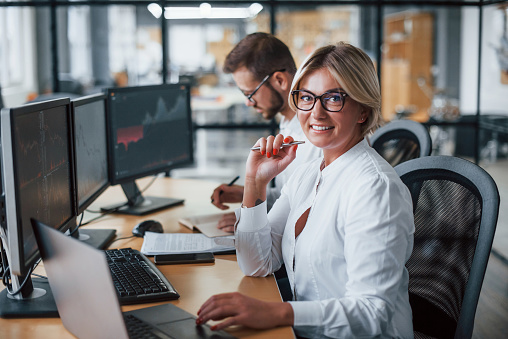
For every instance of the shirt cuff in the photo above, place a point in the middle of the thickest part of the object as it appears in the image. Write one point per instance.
(251, 219)
(307, 313)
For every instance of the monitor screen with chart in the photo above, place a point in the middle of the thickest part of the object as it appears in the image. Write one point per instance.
(38, 183)
(150, 131)
(89, 128)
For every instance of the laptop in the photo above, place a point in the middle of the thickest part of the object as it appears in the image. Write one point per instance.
(80, 279)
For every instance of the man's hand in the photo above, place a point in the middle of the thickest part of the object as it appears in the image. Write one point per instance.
(227, 222)
(226, 194)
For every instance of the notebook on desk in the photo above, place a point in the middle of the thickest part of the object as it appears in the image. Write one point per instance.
(206, 224)
(88, 305)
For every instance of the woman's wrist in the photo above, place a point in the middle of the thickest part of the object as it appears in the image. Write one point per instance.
(254, 192)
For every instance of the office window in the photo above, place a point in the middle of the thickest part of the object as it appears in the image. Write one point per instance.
(75, 46)
(191, 58)
(493, 141)
(197, 47)
(494, 87)
(494, 71)
(80, 47)
(198, 43)
(11, 48)
(304, 29)
(122, 44)
(107, 46)
(17, 57)
(408, 57)
(420, 71)
(135, 46)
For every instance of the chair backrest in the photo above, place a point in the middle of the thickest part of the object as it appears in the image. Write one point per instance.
(401, 140)
(70, 85)
(455, 205)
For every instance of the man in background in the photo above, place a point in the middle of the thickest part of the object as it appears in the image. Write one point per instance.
(263, 69)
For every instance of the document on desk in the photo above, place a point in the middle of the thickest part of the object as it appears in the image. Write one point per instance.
(166, 243)
(206, 224)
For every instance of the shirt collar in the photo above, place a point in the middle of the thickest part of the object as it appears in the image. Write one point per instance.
(346, 158)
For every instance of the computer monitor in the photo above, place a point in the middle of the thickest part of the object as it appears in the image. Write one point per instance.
(150, 132)
(90, 161)
(38, 182)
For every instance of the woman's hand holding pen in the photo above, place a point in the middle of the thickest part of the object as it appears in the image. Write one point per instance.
(264, 164)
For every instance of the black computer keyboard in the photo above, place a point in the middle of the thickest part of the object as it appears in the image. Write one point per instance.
(137, 279)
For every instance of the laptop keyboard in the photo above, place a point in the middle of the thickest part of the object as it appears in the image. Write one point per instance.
(137, 279)
(138, 329)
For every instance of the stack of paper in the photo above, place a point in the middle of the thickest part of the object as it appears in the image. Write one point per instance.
(165, 243)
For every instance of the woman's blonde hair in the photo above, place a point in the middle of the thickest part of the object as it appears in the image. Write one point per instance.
(354, 71)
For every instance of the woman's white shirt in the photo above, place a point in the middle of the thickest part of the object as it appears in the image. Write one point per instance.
(347, 270)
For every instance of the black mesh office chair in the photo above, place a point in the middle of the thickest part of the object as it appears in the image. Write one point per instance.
(401, 140)
(455, 204)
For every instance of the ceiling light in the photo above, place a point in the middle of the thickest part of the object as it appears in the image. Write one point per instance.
(206, 11)
(155, 9)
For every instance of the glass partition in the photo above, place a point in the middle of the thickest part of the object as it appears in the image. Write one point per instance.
(493, 141)
(17, 56)
(198, 41)
(135, 46)
(306, 28)
(107, 46)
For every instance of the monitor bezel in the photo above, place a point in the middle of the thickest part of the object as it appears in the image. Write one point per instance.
(78, 103)
(163, 168)
(18, 264)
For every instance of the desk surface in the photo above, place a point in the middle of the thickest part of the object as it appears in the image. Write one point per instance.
(195, 283)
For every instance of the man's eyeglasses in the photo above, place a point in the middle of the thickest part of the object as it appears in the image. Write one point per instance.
(249, 97)
(331, 101)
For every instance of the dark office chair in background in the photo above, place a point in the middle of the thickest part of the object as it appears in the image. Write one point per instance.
(68, 84)
(455, 204)
(401, 140)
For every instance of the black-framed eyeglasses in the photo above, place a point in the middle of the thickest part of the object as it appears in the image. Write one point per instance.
(332, 101)
(249, 97)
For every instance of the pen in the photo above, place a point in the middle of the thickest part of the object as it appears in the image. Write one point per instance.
(233, 181)
(230, 184)
(283, 145)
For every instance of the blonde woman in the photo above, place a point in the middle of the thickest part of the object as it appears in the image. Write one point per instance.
(343, 225)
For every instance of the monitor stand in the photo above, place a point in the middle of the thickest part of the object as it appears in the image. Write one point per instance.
(137, 204)
(34, 301)
(97, 238)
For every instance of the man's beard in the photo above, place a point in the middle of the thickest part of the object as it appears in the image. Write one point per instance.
(276, 105)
